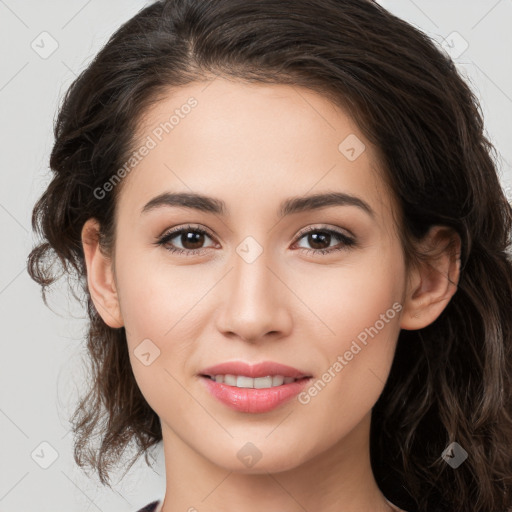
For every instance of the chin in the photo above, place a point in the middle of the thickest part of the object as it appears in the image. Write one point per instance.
(249, 459)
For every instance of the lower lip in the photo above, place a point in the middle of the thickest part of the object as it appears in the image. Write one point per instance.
(254, 400)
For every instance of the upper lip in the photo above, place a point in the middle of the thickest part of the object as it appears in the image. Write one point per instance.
(262, 369)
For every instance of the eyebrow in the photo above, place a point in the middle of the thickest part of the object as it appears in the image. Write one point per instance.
(289, 206)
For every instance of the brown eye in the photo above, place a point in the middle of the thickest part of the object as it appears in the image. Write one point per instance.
(320, 240)
(190, 238)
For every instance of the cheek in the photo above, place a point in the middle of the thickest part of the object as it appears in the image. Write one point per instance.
(356, 366)
(348, 300)
(160, 306)
(157, 298)
(359, 307)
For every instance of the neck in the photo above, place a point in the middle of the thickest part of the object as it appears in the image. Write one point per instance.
(339, 478)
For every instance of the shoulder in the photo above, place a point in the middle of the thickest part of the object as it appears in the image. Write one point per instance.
(154, 506)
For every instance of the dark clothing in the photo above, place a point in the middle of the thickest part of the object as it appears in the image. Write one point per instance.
(151, 507)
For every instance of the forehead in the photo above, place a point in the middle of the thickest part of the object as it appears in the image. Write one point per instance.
(256, 142)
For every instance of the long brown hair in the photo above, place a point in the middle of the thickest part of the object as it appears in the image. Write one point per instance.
(450, 381)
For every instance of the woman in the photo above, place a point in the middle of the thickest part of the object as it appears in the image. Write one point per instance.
(294, 247)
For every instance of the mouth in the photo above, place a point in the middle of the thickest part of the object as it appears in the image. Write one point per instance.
(243, 381)
(254, 395)
(265, 374)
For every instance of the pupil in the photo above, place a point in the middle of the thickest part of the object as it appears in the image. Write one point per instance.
(188, 238)
(324, 236)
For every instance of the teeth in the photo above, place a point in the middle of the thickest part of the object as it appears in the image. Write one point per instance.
(241, 381)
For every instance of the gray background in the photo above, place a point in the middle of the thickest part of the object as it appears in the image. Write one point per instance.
(40, 364)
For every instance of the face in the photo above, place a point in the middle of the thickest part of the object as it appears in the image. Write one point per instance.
(317, 287)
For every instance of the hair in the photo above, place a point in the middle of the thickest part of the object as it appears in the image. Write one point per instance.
(450, 381)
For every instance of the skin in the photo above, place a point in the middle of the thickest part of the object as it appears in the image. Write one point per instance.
(253, 146)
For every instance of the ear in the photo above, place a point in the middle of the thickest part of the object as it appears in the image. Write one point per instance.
(432, 282)
(100, 276)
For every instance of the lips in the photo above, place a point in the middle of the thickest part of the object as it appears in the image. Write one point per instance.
(254, 401)
(263, 369)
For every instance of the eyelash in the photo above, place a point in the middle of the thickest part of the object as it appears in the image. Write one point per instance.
(346, 241)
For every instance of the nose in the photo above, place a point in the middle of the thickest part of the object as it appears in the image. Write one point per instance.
(255, 301)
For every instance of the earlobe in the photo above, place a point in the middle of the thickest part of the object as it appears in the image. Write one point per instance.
(100, 276)
(433, 282)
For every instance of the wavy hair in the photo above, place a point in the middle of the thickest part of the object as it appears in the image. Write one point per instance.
(450, 381)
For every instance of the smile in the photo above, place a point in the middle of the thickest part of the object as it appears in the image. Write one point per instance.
(242, 381)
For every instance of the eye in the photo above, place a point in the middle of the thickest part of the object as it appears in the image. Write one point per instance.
(190, 237)
(321, 238)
